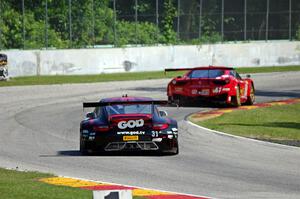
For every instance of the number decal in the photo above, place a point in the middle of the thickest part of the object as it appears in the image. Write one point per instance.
(155, 134)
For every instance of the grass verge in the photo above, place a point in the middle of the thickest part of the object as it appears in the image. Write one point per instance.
(25, 185)
(68, 79)
(279, 123)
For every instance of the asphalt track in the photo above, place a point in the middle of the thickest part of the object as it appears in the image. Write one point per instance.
(40, 131)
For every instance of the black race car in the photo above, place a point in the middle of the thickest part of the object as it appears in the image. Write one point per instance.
(128, 124)
(3, 67)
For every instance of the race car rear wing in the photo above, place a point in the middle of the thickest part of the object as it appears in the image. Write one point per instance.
(176, 69)
(201, 67)
(99, 104)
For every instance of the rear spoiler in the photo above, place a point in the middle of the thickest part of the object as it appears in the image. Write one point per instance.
(99, 104)
(176, 69)
(203, 67)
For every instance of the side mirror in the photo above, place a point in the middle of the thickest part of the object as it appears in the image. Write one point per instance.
(179, 76)
(90, 115)
(248, 76)
(163, 113)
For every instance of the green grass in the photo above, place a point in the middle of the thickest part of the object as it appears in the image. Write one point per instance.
(25, 185)
(269, 69)
(277, 123)
(68, 79)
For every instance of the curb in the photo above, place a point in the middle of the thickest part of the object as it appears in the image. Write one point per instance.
(136, 191)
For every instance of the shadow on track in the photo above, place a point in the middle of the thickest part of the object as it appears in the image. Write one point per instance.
(74, 153)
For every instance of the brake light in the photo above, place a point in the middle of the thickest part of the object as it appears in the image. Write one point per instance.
(159, 127)
(101, 128)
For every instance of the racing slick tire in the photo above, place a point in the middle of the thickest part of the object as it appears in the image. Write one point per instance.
(177, 100)
(236, 100)
(82, 149)
(251, 97)
(176, 152)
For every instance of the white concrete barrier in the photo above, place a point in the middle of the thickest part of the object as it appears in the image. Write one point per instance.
(110, 60)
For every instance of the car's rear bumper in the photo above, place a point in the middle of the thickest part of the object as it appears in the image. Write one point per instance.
(165, 145)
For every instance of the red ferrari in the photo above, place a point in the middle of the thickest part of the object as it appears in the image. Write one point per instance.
(211, 83)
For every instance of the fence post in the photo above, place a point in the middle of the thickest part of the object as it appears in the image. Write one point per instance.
(178, 19)
(200, 18)
(245, 19)
(115, 19)
(157, 19)
(136, 21)
(0, 26)
(23, 23)
(267, 19)
(93, 23)
(222, 21)
(290, 19)
(46, 24)
(70, 23)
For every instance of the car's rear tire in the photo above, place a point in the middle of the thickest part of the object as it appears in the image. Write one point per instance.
(251, 97)
(82, 148)
(236, 100)
(177, 100)
(177, 151)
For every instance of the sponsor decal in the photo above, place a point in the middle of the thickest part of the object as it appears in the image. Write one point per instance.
(131, 124)
(131, 133)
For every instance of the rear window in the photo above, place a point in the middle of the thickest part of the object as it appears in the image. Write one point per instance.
(129, 109)
(206, 73)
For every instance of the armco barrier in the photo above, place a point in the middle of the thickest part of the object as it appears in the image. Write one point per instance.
(110, 60)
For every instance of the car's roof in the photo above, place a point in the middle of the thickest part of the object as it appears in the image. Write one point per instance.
(126, 99)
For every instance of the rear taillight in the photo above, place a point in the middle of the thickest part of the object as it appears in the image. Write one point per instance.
(101, 128)
(159, 127)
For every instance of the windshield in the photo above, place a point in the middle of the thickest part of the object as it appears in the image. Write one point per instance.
(129, 109)
(206, 73)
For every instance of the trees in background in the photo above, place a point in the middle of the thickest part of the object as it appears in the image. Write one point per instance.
(89, 23)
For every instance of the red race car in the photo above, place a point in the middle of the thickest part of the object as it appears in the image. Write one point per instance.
(216, 83)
